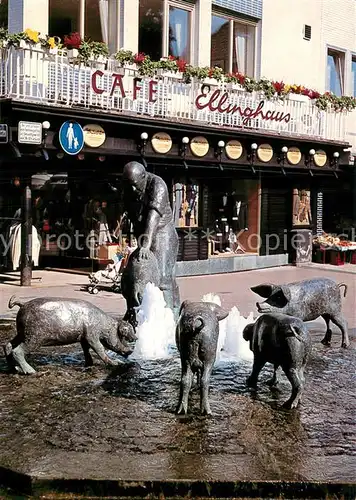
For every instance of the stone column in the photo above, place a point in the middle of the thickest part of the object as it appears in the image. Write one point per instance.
(202, 41)
(301, 246)
(33, 14)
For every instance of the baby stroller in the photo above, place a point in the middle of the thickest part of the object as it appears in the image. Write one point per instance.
(112, 273)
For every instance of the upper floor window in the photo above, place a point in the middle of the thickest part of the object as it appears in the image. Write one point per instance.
(165, 29)
(232, 45)
(3, 14)
(353, 73)
(335, 68)
(64, 18)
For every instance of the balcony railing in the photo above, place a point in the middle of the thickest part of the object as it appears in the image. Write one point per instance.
(37, 76)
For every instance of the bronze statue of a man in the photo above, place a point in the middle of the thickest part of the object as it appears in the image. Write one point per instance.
(146, 201)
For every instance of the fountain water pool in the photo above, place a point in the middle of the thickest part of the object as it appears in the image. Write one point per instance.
(156, 330)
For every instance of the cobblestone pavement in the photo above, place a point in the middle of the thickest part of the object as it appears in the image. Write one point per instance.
(68, 422)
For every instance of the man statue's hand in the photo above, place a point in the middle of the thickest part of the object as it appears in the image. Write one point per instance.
(143, 253)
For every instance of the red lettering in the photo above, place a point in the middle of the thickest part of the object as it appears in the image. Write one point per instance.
(117, 83)
(268, 115)
(222, 101)
(152, 91)
(136, 87)
(201, 96)
(215, 96)
(94, 85)
(287, 118)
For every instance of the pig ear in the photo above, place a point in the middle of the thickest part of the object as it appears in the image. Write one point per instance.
(198, 324)
(218, 310)
(286, 292)
(265, 290)
(183, 305)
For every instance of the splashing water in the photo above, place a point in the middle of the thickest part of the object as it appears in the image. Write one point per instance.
(231, 344)
(156, 326)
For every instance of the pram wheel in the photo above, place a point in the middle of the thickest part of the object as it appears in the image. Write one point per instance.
(95, 291)
(90, 289)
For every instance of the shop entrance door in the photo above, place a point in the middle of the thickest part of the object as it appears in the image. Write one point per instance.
(276, 220)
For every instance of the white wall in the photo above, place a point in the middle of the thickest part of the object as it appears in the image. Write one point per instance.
(287, 56)
(32, 14)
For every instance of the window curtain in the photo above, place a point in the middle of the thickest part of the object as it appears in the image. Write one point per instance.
(104, 19)
(240, 51)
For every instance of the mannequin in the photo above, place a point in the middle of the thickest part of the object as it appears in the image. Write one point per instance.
(191, 197)
(178, 199)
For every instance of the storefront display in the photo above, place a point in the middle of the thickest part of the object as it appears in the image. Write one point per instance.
(301, 208)
(186, 204)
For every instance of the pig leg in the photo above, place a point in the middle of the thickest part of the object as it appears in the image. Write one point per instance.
(258, 364)
(204, 390)
(294, 378)
(341, 322)
(18, 354)
(327, 339)
(275, 379)
(87, 355)
(98, 347)
(185, 385)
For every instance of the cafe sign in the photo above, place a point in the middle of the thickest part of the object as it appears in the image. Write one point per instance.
(233, 150)
(199, 146)
(94, 135)
(203, 98)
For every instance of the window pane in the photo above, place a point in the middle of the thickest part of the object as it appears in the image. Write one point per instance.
(179, 33)
(151, 28)
(243, 49)
(63, 17)
(220, 42)
(3, 14)
(353, 72)
(334, 76)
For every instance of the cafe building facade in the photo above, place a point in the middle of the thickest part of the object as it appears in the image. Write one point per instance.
(247, 175)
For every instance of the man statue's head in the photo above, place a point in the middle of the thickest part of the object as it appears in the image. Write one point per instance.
(135, 177)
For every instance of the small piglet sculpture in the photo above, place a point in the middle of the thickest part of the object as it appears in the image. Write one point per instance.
(197, 335)
(59, 321)
(283, 341)
(307, 300)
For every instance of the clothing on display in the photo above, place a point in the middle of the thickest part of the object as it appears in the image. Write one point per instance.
(178, 200)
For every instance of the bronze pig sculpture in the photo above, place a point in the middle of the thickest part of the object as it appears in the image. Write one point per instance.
(136, 275)
(307, 300)
(283, 341)
(197, 334)
(58, 321)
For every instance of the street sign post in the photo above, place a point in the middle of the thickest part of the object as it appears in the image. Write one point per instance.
(71, 137)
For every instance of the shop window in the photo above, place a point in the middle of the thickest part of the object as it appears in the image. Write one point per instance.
(335, 70)
(353, 73)
(165, 29)
(232, 45)
(64, 18)
(186, 204)
(301, 208)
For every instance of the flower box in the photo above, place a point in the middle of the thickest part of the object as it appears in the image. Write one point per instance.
(299, 98)
(72, 53)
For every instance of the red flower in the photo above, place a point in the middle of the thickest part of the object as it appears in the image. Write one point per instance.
(182, 65)
(278, 87)
(314, 94)
(73, 41)
(241, 78)
(139, 58)
(211, 72)
(172, 58)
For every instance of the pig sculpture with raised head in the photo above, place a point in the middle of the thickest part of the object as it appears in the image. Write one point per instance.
(136, 275)
(197, 334)
(307, 300)
(283, 341)
(59, 321)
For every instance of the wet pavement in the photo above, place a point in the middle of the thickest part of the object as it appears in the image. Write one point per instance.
(119, 424)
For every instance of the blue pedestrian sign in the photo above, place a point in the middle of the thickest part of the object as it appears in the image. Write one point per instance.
(71, 137)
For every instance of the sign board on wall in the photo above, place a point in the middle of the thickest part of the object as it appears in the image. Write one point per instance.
(320, 158)
(29, 133)
(294, 155)
(161, 142)
(265, 152)
(4, 133)
(233, 150)
(94, 135)
(71, 137)
(199, 146)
